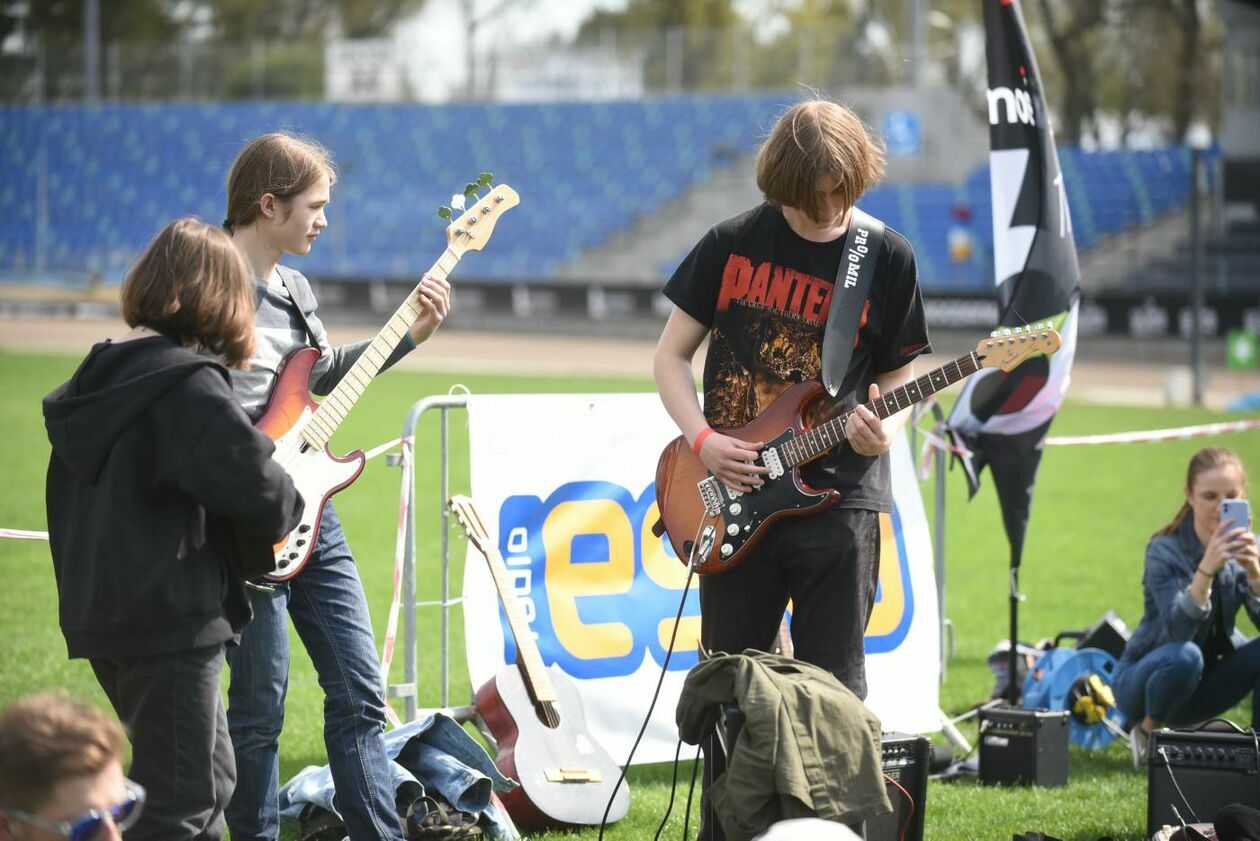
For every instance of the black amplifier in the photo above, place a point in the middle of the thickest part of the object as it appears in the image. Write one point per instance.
(906, 764)
(1211, 768)
(1020, 746)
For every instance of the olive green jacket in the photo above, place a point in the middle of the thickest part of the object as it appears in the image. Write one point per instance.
(808, 746)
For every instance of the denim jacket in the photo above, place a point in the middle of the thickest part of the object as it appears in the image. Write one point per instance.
(432, 752)
(1170, 613)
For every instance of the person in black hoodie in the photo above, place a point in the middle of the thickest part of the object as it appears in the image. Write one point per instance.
(162, 501)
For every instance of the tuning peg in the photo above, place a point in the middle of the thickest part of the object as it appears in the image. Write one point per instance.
(445, 212)
(1019, 330)
(993, 335)
(459, 202)
(484, 179)
(470, 189)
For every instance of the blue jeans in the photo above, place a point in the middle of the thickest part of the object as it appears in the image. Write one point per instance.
(330, 612)
(1172, 685)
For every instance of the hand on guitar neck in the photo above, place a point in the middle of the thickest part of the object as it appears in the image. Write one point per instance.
(433, 296)
(866, 433)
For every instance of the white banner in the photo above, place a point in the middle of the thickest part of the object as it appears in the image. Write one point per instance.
(565, 485)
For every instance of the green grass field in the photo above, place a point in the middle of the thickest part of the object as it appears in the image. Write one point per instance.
(1094, 509)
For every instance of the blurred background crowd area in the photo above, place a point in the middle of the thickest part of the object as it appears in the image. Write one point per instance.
(628, 127)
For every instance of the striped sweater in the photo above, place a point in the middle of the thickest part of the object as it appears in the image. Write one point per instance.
(278, 331)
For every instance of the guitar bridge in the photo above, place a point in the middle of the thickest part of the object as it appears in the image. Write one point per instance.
(711, 496)
(572, 775)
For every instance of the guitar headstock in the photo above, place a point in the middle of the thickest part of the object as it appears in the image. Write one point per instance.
(479, 213)
(466, 513)
(1008, 347)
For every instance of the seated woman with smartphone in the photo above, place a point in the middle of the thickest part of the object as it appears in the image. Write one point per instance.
(1181, 665)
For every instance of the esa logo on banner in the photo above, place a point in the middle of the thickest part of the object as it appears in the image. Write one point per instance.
(600, 591)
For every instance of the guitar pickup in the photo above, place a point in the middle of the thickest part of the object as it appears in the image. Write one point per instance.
(572, 775)
(770, 458)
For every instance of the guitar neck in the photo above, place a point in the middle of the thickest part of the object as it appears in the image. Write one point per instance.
(334, 408)
(532, 667)
(829, 435)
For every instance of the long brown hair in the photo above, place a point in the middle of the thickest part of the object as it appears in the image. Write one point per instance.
(279, 163)
(1208, 458)
(47, 738)
(192, 284)
(810, 140)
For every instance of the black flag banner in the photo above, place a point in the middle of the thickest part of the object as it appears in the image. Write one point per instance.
(1002, 417)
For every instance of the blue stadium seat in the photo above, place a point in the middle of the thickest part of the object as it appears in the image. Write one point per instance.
(109, 176)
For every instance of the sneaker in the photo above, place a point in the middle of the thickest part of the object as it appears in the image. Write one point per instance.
(1139, 739)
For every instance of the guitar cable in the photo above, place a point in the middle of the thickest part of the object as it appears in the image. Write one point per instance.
(695, 764)
(673, 790)
(706, 535)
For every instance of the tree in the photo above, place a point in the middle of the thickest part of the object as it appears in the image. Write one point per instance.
(152, 37)
(1073, 28)
(679, 37)
(1142, 63)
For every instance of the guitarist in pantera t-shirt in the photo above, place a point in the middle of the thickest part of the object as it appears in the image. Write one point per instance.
(760, 286)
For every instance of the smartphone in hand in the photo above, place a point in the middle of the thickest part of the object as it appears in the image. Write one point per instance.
(1237, 510)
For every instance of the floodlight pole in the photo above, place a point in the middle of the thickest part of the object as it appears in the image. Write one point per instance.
(1012, 687)
(92, 50)
(1196, 274)
(1199, 139)
(472, 20)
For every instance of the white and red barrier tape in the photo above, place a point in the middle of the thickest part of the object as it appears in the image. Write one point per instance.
(23, 534)
(1151, 435)
(391, 625)
(933, 441)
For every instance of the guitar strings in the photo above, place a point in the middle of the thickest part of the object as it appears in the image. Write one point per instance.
(656, 693)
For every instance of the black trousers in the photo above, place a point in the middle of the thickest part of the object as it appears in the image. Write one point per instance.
(828, 565)
(174, 715)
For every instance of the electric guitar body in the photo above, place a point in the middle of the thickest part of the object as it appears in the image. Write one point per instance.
(699, 512)
(317, 473)
(747, 517)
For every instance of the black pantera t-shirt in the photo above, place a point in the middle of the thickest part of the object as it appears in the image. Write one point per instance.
(764, 292)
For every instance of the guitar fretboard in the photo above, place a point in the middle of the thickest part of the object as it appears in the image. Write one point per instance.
(828, 435)
(534, 672)
(334, 408)
(527, 650)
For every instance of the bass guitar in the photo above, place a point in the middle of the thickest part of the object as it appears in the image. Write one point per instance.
(535, 715)
(696, 507)
(301, 427)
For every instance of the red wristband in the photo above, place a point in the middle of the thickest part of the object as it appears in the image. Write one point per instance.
(699, 442)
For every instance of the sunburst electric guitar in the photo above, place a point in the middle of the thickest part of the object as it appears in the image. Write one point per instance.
(301, 427)
(722, 525)
(535, 715)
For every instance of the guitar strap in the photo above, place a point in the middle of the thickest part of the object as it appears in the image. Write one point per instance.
(297, 305)
(848, 297)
